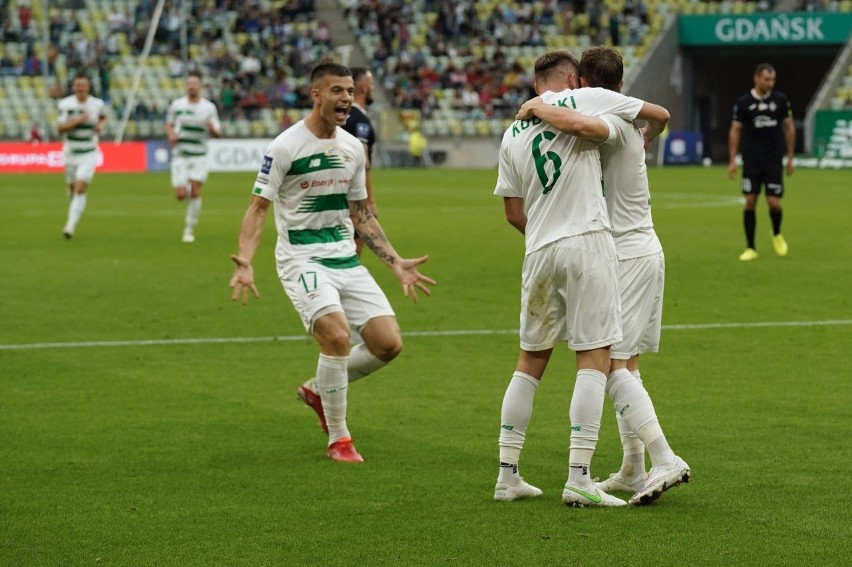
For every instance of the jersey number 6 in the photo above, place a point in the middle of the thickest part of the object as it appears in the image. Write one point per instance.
(541, 161)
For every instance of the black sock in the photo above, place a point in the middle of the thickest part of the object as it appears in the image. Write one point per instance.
(749, 220)
(775, 215)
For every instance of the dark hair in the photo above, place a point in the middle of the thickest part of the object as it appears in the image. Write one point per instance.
(194, 73)
(553, 62)
(602, 66)
(333, 69)
(764, 67)
(81, 75)
(358, 72)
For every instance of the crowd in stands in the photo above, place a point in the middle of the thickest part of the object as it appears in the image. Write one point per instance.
(467, 52)
(254, 58)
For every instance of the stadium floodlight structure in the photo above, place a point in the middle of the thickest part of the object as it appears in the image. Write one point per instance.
(130, 104)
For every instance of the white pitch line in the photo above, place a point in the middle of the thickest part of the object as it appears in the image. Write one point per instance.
(458, 333)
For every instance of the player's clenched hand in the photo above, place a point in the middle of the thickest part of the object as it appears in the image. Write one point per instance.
(527, 109)
(243, 280)
(411, 279)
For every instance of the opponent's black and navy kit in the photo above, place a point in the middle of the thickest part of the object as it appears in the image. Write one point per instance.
(762, 142)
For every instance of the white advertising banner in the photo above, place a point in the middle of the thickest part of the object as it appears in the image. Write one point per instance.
(236, 155)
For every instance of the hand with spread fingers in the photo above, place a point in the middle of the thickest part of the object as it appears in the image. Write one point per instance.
(411, 279)
(243, 280)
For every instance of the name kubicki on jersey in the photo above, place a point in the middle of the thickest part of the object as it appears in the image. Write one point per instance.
(519, 125)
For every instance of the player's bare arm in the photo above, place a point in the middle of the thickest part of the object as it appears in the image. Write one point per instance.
(565, 119)
(370, 231)
(790, 140)
(170, 134)
(514, 209)
(368, 180)
(657, 118)
(100, 125)
(214, 132)
(733, 147)
(250, 234)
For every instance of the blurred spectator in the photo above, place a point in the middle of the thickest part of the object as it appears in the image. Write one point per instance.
(117, 21)
(10, 32)
(56, 91)
(8, 66)
(176, 67)
(25, 14)
(417, 144)
(614, 27)
(34, 135)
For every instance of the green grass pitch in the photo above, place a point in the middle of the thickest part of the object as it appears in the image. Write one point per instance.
(121, 452)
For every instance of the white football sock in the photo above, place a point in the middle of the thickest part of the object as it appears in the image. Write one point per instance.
(193, 210)
(634, 405)
(362, 362)
(75, 210)
(586, 410)
(331, 381)
(514, 419)
(633, 461)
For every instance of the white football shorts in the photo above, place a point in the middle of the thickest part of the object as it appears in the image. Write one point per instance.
(316, 290)
(641, 281)
(186, 169)
(80, 167)
(569, 293)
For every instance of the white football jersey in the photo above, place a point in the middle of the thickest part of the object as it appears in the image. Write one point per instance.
(628, 197)
(558, 175)
(82, 139)
(311, 181)
(190, 121)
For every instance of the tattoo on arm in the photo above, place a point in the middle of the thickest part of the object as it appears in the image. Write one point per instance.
(371, 232)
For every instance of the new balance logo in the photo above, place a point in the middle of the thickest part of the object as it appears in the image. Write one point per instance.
(622, 410)
(315, 163)
(507, 427)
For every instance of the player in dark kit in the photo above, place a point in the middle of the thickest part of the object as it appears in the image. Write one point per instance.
(763, 121)
(359, 125)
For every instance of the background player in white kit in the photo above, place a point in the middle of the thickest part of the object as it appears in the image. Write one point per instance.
(550, 182)
(641, 267)
(314, 172)
(81, 118)
(190, 120)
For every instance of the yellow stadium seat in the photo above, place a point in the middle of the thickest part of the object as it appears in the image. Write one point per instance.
(483, 128)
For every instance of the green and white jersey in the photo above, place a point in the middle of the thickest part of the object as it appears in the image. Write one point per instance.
(311, 181)
(558, 175)
(82, 139)
(628, 197)
(190, 120)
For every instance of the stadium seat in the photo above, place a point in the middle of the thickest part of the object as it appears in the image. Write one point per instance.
(483, 128)
(428, 128)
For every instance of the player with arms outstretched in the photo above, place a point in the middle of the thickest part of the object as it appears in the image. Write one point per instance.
(314, 173)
